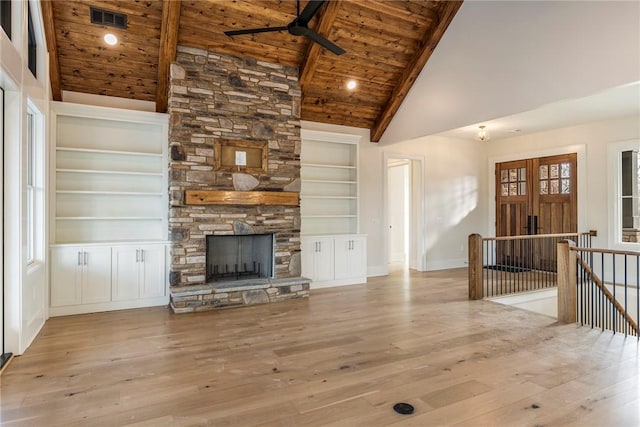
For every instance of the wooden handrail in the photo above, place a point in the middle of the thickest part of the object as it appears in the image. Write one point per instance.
(619, 308)
(537, 236)
(606, 251)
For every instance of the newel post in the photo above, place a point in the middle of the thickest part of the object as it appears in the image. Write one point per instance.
(567, 282)
(475, 266)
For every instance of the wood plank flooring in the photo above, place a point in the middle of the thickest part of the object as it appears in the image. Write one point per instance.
(341, 358)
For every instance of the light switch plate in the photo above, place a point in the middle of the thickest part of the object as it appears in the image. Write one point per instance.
(241, 158)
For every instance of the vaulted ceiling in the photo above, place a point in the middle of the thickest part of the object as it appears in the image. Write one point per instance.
(387, 44)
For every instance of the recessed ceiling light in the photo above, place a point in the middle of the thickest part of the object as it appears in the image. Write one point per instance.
(351, 84)
(110, 39)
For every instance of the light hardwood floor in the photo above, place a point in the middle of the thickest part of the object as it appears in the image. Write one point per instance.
(341, 358)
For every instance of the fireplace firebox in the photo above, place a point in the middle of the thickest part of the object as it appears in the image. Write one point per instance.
(238, 257)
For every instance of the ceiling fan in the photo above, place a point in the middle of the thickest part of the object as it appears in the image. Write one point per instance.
(298, 27)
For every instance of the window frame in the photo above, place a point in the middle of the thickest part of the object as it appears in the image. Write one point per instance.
(30, 214)
(33, 187)
(615, 151)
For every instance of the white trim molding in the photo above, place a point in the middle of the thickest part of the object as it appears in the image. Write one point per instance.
(614, 157)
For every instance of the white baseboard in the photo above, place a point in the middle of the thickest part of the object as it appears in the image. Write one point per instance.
(107, 306)
(341, 282)
(446, 264)
(377, 270)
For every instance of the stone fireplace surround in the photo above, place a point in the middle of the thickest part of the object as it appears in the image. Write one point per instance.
(214, 96)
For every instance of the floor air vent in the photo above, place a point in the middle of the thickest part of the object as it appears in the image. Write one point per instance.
(112, 19)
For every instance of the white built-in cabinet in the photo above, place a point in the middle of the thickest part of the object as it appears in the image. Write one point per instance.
(137, 272)
(333, 253)
(350, 257)
(83, 275)
(318, 258)
(110, 206)
(334, 260)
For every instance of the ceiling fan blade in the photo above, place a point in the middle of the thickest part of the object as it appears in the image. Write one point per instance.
(309, 11)
(255, 31)
(324, 42)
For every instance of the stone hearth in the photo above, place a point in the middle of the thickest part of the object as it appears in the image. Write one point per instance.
(215, 97)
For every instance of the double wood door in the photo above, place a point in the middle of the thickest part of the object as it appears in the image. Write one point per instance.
(535, 196)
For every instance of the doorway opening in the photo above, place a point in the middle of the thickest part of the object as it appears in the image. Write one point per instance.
(404, 245)
(398, 203)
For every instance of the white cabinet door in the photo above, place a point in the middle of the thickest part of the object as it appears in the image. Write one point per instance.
(124, 273)
(358, 257)
(66, 276)
(151, 274)
(350, 257)
(96, 275)
(307, 257)
(342, 247)
(324, 260)
(317, 258)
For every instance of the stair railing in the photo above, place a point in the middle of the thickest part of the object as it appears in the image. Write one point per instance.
(599, 288)
(514, 264)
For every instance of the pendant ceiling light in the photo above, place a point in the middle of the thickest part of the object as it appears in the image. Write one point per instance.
(482, 134)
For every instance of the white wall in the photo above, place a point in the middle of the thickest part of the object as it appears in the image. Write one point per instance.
(458, 184)
(107, 101)
(454, 198)
(592, 140)
(498, 58)
(454, 188)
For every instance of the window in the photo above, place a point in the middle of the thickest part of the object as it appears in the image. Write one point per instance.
(624, 176)
(629, 195)
(33, 46)
(31, 180)
(5, 16)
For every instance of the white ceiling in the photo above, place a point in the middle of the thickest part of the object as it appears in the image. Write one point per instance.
(616, 102)
(499, 59)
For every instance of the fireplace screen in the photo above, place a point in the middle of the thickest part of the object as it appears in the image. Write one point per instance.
(239, 257)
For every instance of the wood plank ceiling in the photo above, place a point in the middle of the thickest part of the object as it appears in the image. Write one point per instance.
(387, 43)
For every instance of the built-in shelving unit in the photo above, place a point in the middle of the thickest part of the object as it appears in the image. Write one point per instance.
(110, 175)
(333, 254)
(329, 194)
(109, 221)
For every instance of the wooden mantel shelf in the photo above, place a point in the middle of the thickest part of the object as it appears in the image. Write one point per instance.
(215, 197)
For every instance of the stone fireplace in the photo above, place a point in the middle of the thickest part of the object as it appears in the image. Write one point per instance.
(218, 102)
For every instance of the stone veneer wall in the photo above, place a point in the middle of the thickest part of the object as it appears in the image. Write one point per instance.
(215, 96)
(630, 235)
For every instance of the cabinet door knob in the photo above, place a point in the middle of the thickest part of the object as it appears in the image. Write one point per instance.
(79, 258)
(137, 255)
(141, 255)
(85, 257)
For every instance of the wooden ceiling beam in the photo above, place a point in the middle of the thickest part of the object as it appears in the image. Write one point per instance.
(168, 46)
(52, 48)
(310, 60)
(428, 45)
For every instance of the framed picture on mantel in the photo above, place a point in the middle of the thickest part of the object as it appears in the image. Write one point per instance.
(240, 156)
